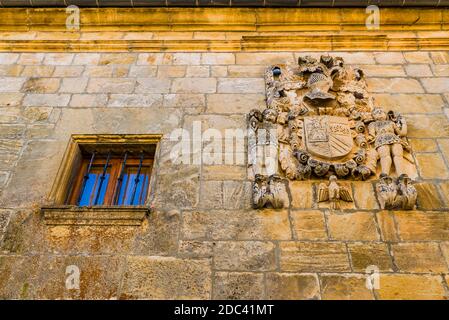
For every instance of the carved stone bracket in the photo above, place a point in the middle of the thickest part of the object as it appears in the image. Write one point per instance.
(323, 123)
(399, 194)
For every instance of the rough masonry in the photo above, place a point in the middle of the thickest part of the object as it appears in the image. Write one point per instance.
(203, 239)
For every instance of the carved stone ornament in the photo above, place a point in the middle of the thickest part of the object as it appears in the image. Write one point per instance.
(334, 193)
(397, 195)
(322, 122)
(268, 192)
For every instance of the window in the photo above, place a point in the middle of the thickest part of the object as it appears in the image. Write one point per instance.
(103, 180)
(112, 179)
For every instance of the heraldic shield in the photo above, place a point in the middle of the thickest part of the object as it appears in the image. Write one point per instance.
(328, 137)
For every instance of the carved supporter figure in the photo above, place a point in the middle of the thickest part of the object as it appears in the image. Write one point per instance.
(400, 194)
(333, 192)
(386, 135)
(268, 192)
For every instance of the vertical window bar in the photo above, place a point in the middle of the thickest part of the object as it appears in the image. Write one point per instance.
(86, 177)
(120, 179)
(137, 179)
(103, 176)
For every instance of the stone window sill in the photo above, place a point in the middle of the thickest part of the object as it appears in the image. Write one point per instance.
(95, 216)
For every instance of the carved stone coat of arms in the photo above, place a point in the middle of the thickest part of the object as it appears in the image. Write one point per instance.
(326, 124)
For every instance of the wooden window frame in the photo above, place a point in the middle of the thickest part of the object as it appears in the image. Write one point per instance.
(115, 164)
(58, 212)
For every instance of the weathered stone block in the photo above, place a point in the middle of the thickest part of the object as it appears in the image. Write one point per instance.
(444, 191)
(288, 286)
(432, 166)
(217, 58)
(436, 85)
(444, 147)
(410, 287)
(11, 84)
(237, 195)
(31, 58)
(430, 126)
(37, 71)
(142, 71)
(241, 85)
(135, 100)
(389, 57)
(441, 57)
(345, 287)
(89, 100)
(394, 85)
(234, 103)
(302, 194)
(264, 58)
(11, 131)
(10, 99)
(244, 256)
(86, 58)
(427, 226)
(117, 58)
(211, 195)
(73, 85)
(364, 195)
(239, 71)
(370, 254)
(46, 100)
(10, 70)
(111, 85)
(194, 85)
(223, 172)
(428, 196)
(357, 57)
(309, 225)
(424, 145)
(41, 85)
(419, 257)
(178, 189)
(98, 71)
(196, 249)
(197, 72)
(58, 58)
(68, 71)
(150, 59)
(418, 70)
(445, 249)
(352, 226)
(238, 285)
(236, 225)
(218, 71)
(440, 70)
(417, 57)
(186, 58)
(159, 234)
(313, 257)
(8, 58)
(166, 278)
(376, 70)
(171, 71)
(184, 101)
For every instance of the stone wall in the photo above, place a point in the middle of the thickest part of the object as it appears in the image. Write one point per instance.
(203, 240)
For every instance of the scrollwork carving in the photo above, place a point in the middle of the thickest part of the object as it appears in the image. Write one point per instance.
(327, 125)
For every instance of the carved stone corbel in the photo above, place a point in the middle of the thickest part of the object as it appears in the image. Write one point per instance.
(399, 194)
